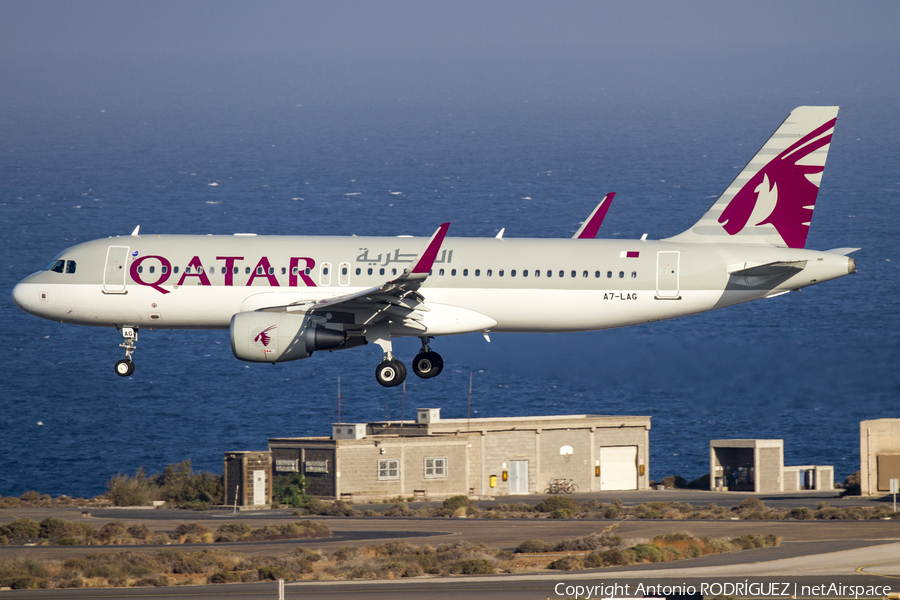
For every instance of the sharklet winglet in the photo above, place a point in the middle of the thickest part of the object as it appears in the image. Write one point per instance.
(426, 259)
(591, 226)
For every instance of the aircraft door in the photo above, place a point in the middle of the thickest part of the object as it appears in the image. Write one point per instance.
(116, 270)
(667, 285)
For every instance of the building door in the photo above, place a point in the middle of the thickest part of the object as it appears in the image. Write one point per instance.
(259, 487)
(618, 468)
(518, 477)
(667, 275)
(114, 275)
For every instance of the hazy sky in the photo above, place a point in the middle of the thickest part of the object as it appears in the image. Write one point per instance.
(305, 51)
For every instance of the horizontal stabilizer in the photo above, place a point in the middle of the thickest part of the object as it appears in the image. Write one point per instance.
(781, 267)
(842, 251)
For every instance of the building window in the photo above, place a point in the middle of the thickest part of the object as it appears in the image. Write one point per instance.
(436, 468)
(388, 469)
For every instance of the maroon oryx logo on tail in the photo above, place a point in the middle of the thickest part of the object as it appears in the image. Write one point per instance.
(780, 193)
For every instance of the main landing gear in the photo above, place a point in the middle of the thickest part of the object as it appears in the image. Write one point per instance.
(125, 367)
(427, 364)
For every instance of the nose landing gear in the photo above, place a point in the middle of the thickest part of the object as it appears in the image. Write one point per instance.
(125, 367)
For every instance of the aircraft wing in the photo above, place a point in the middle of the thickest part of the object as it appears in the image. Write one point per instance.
(591, 226)
(400, 292)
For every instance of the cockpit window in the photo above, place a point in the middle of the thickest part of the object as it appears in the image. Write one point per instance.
(56, 266)
(70, 266)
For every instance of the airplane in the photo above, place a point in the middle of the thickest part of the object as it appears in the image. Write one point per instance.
(285, 297)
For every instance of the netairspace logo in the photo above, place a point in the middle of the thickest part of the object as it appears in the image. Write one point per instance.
(746, 589)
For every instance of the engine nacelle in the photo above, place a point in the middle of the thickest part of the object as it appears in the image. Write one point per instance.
(280, 337)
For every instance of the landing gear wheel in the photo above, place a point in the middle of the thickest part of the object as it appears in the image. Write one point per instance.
(390, 373)
(124, 367)
(428, 364)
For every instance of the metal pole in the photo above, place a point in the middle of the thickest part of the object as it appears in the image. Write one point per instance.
(237, 492)
(281, 589)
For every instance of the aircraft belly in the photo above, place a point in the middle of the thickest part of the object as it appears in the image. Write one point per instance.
(575, 310)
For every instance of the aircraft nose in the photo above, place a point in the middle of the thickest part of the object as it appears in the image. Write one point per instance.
(20, 296)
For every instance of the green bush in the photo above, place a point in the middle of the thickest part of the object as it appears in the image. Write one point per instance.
(553, 503)
(534, 547)
(648, 553)
(179, 484)
(21, 528)
(801, 513)
(232, 532)
(123, 490)
(290, 489)
(475, 566)
(316, 507)
(593, 560)
(566, 563)
(455, 502)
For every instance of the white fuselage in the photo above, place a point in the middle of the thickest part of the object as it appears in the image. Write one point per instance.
(502, 285)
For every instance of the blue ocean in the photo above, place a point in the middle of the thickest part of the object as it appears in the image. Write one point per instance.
(805, 367)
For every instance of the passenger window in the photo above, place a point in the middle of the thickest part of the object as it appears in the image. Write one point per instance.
(358, 271)
(70, 266)
(152, 269)
(235, 270)
(597, 274)
(246, 270)
(259, 270)
(344, 271)
(525, 273)
(284, 270)
(573, 273)
(295, 271)
(500, 273)
(441, 272)
(465, 272)
(140, 269)
(187, 270)
(634, 274)
(453, 272)
(224, 270)
(488, 272)
(325, 271)
(306, 270)
(165, 269)
(370, 270)
(609, 273)
(393, 271)
(477, 272)
(621, 274)
(562, 273)
(512, 273)
(271, 270)
(537, 272)
(175, 269)
(584, 274)
(381, 271)
(549, 273)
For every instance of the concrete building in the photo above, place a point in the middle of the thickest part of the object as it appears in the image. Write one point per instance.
(758, 466)
(879, 454)
(248, 479)
(436, 458)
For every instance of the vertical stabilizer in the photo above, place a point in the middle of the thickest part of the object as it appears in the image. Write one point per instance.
(772, 200)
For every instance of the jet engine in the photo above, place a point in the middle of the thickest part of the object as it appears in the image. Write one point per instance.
(280, 337)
